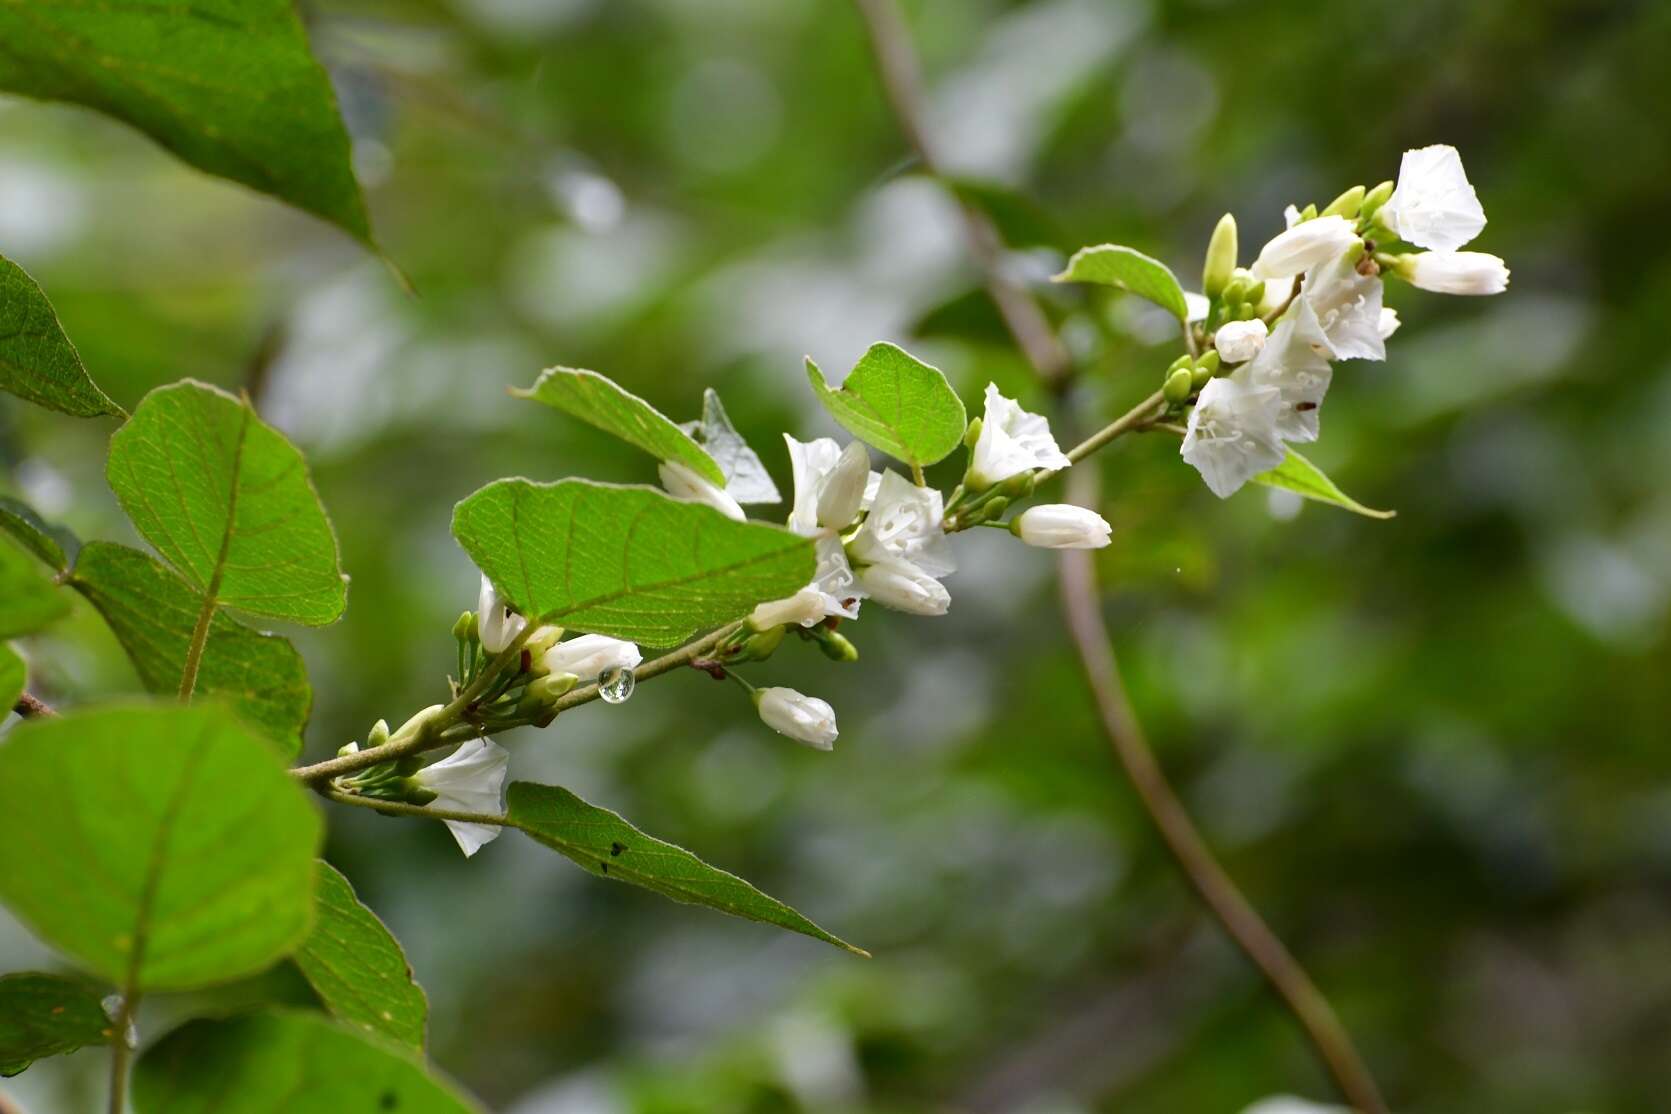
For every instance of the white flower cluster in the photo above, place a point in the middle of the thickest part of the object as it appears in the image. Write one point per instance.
(1276, 367)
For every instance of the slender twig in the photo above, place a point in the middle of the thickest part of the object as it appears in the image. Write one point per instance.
(30, 706)
(1082, 609)
(120, 1051)
(897, 62)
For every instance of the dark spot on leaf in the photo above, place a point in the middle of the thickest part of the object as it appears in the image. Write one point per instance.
(617, 847)
(388, 1101)
(603, 866)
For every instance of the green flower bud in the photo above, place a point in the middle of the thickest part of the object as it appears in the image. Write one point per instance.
(1179, 385)
(760, 645)
(414, 794)
(547, 689)
(1347, 204)
(1181, 361)
(379, 734)
(1373, 200)
(972, 434)
(1209, 361)
(1309, 212)
(348, 748)
(465, 629)
(835, 646)
(1221, 257)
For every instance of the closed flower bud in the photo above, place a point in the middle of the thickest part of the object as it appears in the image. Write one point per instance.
(1240, 341)
(379, 734)
(1304, 246)
(1374, 199)
(905, 587)
(496, 624)
(1454, 272)
(1061, 526)
(1178, 386)
(806, 719)
(844, 488)
(761, 645)
(545, 690)
(1209, 363)
(1221, 257)
(1347, 204)
(972, 434)
(590, 654)
(835, 645)
(682, 483)
(804, 608)
(465, 629)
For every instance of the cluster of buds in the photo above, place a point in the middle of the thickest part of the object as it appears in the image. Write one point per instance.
(1312, 296)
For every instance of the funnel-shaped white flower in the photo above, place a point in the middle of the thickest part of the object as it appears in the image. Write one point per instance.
(470, 779)
(1296, 362)
(1232, 434)
(1304, 246)
(1434, 205)
(1011, 441)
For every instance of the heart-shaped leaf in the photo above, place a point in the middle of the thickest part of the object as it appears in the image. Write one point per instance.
(629, 562)
(227, 85)
(1299, 475)
(897, 403)
(608, 846)
(47, 1015)
(599, 401)
(161, 847)
(227, 501)
(153, 614)
(1128, 269)
(357, 968)
(37, 361)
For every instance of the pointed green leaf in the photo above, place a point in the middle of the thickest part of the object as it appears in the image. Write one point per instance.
(152, 613)
(599, 401)
(227, 85)
(746, 478)
(357, 968)
(1299, 475)
(37, 361)
(227, 501)
(53, 544)
(47, 1015)
(13, 676)
(160, 847)
(606, 845)
(285, 1062)
(629, 562)
(897, 403)
(1128, 269)
(29, 600)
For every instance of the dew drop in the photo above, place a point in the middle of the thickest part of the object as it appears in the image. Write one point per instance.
(615, 684)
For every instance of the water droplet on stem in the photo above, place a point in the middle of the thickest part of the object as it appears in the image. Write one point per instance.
(615, 684)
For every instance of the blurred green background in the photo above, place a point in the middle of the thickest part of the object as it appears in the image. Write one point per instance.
(1433, 750)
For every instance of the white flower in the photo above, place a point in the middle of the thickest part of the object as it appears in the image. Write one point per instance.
(1288, 1104)
(1011, 441)
(1433, 206)
(470, 779)
(1455, 272)
(904, 523)
(1295, 362)
(1232, 434)
(806, 719)
(1388, 322)
(805, 607)
(1061, 526)
(904, 586)
(1304, 246)
(830, 484)
(1240, 341)
(496, 624)
(590, 655)
(1348, 307)
(682, 483)
(834, 581)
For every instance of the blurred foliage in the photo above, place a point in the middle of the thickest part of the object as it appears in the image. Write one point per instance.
(1432, 750)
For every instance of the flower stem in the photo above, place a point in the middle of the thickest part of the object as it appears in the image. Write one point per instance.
(1138, 417)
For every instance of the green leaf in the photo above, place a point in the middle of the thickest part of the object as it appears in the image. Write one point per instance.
(53, 544)
(152, 612)
(629, 562)
(599, 401)
(1299, 475)
(284, 1063)
(162, 848)
(227, 85)
(37, 361)
(746, 478)
(227, 501)
(47, 1015)
(1128, 269)
(606, 845)
(29, 600)
(897, 403)
(13, 676)
(357, 968)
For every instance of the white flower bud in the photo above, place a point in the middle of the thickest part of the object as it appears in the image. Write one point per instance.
(1240, 341)
(496, 624)
(905, 587)
(1304, 246)
(589, 655)
(1455, 272)
(471, 779)
(805, 608)
(1434, 205)
(682, 483)
(1061, 526)
(806, 719)
(843, 488)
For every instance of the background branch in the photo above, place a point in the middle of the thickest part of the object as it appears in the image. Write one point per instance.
(32, 707)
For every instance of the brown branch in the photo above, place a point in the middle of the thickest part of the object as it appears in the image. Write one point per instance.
(32, 707)
(901, 80)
